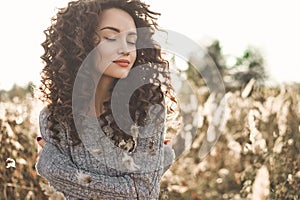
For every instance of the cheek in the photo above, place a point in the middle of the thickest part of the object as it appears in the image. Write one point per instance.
(134, 54)
(103, 57)
(107, 52)
(107, 49)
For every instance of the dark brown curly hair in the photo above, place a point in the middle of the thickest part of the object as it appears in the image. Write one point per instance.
(71, 37)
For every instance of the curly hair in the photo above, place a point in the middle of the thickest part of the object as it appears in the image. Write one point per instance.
(71, 37)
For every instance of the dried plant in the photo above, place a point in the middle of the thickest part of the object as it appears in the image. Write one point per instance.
(256, 157)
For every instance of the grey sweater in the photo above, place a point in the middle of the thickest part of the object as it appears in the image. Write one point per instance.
(97, 169)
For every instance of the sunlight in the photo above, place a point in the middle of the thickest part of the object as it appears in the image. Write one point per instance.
(235, 26)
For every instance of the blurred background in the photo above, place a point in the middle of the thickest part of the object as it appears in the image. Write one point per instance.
(269, 26)
(254, 45)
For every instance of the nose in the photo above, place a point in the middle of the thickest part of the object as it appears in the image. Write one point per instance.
(123, 48)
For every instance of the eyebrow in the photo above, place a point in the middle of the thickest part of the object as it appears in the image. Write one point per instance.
(116, 30)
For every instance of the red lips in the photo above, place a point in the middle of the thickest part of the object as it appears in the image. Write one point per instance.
(122, 62)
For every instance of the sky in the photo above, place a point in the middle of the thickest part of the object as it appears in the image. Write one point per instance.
(271, 26)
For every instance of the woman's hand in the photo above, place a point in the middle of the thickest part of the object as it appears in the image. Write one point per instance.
(41, 142)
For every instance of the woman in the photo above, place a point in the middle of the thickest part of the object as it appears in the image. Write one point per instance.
(123, 159)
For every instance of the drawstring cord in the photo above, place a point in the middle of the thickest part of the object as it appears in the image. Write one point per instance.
(136, 191)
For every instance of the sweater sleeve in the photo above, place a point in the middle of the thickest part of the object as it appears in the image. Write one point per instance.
(169, 157)
(63, 175)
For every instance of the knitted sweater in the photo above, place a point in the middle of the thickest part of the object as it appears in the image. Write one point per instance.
(87, 171)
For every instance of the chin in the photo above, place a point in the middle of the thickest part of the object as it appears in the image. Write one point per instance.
(124, 75)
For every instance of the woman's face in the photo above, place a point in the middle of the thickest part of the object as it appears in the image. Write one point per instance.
(117, 47)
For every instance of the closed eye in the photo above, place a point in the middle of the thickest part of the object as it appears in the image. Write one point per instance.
(110, 39)
(131, 39)
(131, 42)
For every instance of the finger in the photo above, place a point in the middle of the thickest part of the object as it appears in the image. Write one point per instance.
(40, 152)
(167, 141)
(40, 141)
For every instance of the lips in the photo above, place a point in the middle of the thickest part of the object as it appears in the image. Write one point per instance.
(122, 62)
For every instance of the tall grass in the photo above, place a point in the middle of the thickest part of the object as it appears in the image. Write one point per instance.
(18, 150)
(257, 156)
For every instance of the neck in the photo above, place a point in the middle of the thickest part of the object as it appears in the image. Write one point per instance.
(103, 93)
